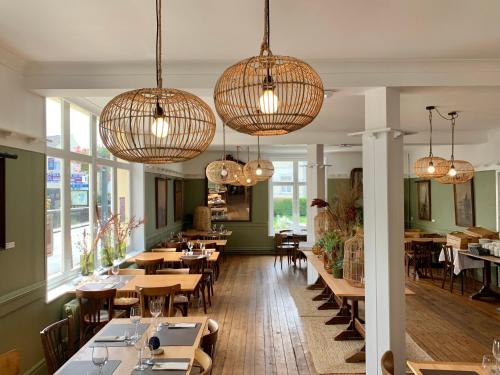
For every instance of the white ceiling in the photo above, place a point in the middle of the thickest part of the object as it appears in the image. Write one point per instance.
(199, 30)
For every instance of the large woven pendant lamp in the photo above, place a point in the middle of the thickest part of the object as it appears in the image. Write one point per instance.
(223, 171)
(430, 166)
(260, 169)
(157, 125)
(459, 171)
(268, 94)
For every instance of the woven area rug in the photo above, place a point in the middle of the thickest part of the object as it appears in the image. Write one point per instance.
(329, 355)
(306, 306)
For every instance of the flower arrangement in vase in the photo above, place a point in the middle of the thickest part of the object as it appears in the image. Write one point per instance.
(88, 248)
(122, 229)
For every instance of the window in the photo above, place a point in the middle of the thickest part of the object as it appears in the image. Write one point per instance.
(81, 174)
(289, 196)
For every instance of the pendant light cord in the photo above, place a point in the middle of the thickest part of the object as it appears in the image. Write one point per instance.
(430, 136)
(266, 40)
(453, 117)
(223, 141)
(258, 148)
(159, 82)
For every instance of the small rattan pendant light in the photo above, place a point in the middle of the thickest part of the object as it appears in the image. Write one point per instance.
(247, 179)
(157, 125)
(223, 171)
(268, 94)
(430, 166)
(459, 171)
(260, 169)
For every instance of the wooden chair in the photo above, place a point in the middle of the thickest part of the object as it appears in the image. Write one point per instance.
(57, 342)
(203, 361)
(10, 363)
(387, 363)
(196, 266)
(280, 248)
(125, 300)
(166, 293)
(209, 340)
(150, 265)
(422, 258)
(449, 268)
(96, 310)
(408, 256)
(181, 301)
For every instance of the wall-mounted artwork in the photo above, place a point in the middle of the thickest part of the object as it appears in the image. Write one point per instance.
(357, 180)
(464, 204)
(178, 188)
(424, 200)
(161, 201)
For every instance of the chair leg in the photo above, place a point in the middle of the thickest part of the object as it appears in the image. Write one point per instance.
(445, 273)
(452, 279)
(430, 269)
(208, 294)
(462, 282)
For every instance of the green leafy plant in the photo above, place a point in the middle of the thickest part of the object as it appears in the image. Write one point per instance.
(332, 244)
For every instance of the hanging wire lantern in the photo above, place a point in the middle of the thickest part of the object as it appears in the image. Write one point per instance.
(223, 171)
(157, 125)
(260, 169)
(459, 171)
(430, 166)
(268, 94)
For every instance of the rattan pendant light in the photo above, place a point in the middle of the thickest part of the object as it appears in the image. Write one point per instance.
(430, 166)
(260, 169)
(157, 125)
(247, 179)
(223, 171)
(459, 171)
(268, 94)
(238, 175)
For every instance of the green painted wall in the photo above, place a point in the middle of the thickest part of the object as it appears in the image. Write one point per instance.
(248, 237)
(23, 311)
(442, 209)
(153, 235)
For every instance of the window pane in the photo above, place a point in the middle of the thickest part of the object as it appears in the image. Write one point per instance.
(302, 207)
(53, 122)
(102, 151)
(283, 207)
(80, 212)
(79, 133)
(54, 236)
(123, 191)
(104, 190)
(283, 171)
(302, 171)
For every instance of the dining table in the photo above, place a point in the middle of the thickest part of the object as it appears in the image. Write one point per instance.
(446, 368)
(170, 257)
(122, 357)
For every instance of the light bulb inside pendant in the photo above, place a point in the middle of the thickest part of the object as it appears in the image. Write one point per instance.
(223, 172)
(249, 180)
(431, 168)
(268, 102)
(452, 172)
(258, 171)
(159, 126)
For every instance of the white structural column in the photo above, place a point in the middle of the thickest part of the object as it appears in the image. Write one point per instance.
(316, 188)
(383, 228)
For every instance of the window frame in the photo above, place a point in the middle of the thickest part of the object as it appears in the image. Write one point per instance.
(66, 155)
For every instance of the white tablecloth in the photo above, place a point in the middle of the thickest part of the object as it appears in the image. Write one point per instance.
(462, 262)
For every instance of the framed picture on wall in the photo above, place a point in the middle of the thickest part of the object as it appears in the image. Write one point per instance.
(424, 200)
(178, 185)
(463, 195)
(357, 180)
(161, 202)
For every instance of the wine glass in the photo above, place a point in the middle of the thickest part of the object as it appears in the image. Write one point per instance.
(115, 268)
(155, 307)
(190, 247)
(139, 346)
(496, 350)
(135, 318)
(489, 364)
(148, 347)
(100, 356)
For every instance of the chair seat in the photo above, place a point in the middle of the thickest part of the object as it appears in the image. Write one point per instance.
(179, 298)
(125, 301)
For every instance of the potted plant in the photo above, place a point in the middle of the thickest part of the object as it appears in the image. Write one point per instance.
(329, 243)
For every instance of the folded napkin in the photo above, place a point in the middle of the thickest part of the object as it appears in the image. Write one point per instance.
(110, 286)
(171, 366)
(182, 325)
(109, 338)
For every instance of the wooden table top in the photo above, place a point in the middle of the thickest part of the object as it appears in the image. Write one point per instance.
(188, 282)
(194, 232)
(417, 367)
(488, 258)
(217, 242)
(128, 355)
(167, 256)
(340, 287)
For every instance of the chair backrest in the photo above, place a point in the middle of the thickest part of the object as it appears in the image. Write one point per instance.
(91, 303)
(129, 271)
(387, 363)
(421, 248)
(172, 245)
(448, 254)
(164, 293)
(203, 360)
(211, 245)
(408, 247)
(57, 342)
(209, 340)
(278, 239)
(195, 265)
(164, 250)
(150, 265)
(10, 363)
(173, 271)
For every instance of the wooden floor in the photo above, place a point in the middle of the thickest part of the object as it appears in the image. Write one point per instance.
(261, 332)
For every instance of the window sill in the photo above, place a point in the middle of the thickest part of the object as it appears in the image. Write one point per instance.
(59, 290)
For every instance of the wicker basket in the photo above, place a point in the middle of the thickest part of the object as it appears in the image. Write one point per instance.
(202, 218)
(316, 250)
(480, 232)
(323, 222)
(459, 240)
(354, 261)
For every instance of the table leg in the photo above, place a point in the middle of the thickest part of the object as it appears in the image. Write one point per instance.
(329, 304)
(357, 357)
(486, 291)
(352, 332)
(325, 294)
(317, 285)
(343, 316)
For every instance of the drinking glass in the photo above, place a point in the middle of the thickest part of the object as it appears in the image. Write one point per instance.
(135, 318)
(100, 356)
(115, 268)
(148, 348)
(190, 247)
(155, 307)
(139, 346)
(489, 364)
(496, 350)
